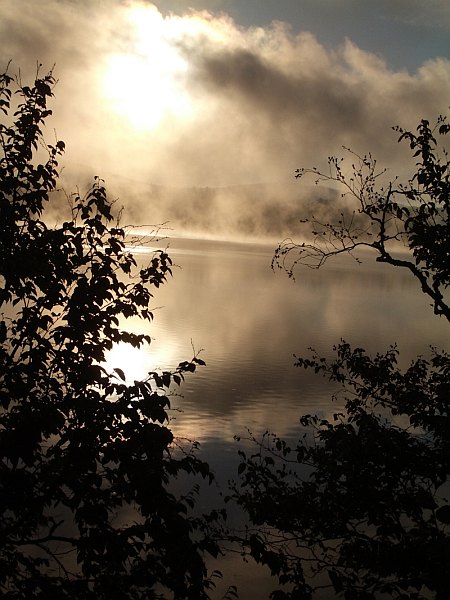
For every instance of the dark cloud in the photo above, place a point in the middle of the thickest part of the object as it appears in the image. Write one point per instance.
(247, 77)
(313, 100)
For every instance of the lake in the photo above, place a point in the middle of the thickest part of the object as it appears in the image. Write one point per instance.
(248, 322)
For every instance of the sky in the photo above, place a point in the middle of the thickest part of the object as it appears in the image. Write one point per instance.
(226, 93)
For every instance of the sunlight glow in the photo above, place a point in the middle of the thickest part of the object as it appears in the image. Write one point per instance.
(136, 363)
(144, 81)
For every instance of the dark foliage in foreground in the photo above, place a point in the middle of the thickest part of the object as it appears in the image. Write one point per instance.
(359, 507)
(87, 504)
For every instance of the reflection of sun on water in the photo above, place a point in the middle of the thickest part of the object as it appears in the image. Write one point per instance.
(144, 83)
(136, 363)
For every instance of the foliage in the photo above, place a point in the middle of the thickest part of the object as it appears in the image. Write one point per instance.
(415, 214)
(362, 502)
(357, 508)
(88, 504)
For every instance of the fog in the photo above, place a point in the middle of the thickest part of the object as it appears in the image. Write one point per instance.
(231, 107)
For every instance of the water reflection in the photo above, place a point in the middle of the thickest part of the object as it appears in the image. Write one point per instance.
(249, 322)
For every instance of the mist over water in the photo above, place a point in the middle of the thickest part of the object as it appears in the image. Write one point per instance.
(253, 212)
(195, 99)
(265, 212)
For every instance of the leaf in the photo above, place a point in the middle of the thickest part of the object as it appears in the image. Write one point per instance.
(443, 514)
(241, 468)
(335, 580)
(120, 373)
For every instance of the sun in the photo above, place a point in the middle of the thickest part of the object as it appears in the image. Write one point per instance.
(143, 82)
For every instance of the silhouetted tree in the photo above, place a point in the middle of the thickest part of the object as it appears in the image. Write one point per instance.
(412, 216)
(358, 507)
(87, 462)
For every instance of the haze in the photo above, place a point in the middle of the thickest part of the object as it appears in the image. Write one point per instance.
(163, 97)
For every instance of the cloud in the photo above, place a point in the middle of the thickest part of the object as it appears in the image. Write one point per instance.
(264, 101)
(295, 99)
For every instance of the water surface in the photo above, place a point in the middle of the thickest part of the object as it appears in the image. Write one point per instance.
(248, 322)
